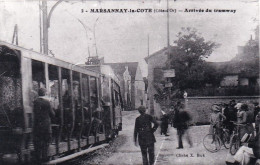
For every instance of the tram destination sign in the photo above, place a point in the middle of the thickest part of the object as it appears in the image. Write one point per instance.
(169, 73)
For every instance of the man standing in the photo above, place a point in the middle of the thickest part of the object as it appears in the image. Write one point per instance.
(144, 131)
(42, 125)
(230, 112)
(164, 124)
(181, 121)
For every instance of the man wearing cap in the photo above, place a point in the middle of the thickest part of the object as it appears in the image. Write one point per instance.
(144, 131)
(42, 125)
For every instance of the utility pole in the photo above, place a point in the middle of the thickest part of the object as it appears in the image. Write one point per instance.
(168, 26)
(45, 24)
(40, 24)
(44, 27)
(15, 34)
(168, 55)
(94, 30)
(148, 46)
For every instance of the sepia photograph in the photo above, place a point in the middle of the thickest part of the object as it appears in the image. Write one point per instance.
(129, 82)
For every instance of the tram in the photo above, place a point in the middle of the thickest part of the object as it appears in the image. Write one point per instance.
(87, 103)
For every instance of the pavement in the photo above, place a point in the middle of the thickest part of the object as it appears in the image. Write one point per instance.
(165, 147)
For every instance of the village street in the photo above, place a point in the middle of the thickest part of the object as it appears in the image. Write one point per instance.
(165, 148)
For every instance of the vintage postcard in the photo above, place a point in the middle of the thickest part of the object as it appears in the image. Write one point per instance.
(118, 82)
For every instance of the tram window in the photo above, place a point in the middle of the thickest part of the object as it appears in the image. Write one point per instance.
(38, 77)
(66, 100)
(66, 94)
(10, 87)
(76, 90)
(77, 101)
(54, 86)
(85, 99)
(85, 90)
(86, 110)
(116, 98)
(66, 88)
(93, 94)
(105, 90)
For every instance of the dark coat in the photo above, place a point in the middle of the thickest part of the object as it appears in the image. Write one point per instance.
(144, 130)
(256, 110)
(181, 119)
(42, 116)
(164, 124)
(256, 147)
(230, 113)
(257, 122)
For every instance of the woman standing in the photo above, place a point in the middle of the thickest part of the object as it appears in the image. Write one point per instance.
(243, 118)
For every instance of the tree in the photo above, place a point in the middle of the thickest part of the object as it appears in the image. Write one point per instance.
(188, 60)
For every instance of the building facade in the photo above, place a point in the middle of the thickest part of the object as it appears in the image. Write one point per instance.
(155, 62)
(132, 83)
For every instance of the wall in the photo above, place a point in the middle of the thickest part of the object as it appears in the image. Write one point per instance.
(200, 107)
(155, 61)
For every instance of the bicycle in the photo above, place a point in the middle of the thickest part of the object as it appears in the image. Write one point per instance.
(213, 142)
(235, 141)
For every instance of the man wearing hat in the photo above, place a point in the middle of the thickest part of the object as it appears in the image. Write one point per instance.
(42, 125)
(145, 134)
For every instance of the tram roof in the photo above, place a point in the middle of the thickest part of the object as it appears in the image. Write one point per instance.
(105, 70)
(50, 60)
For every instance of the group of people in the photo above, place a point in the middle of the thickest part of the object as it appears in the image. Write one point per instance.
(240, 113)
(235, 113)
(144, 131)
(222, 116)
(44, 115)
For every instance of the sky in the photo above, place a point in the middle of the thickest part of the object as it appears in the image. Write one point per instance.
(123, 37)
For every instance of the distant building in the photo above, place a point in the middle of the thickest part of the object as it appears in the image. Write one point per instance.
(135, 84)
(125, 85)
(146, 94)
(156, 62)
(243, 69)
(238, 76)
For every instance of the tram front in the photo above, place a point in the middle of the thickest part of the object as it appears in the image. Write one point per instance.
(11, 104)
